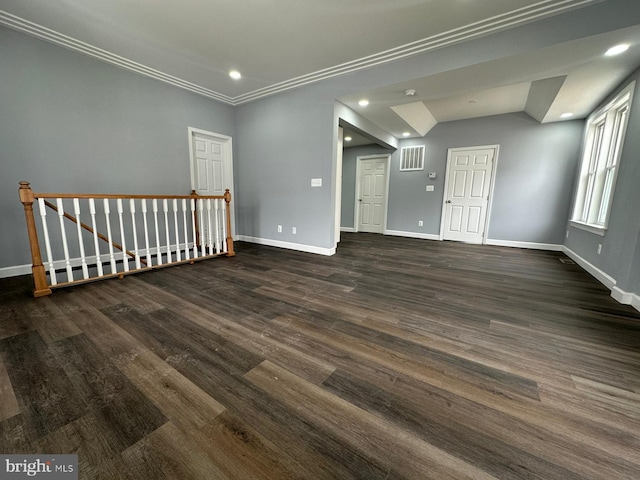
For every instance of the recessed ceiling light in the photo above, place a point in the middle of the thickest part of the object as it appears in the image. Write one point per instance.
(347, 139)
(410, 93)
(235, 74)
(473, 100)
(617, 50)
(406, 134)
(364, 102)
(566, 115)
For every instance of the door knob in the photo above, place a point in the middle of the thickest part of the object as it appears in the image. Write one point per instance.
(448, 201)
(359, 199)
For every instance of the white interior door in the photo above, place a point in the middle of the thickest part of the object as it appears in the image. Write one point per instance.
(467, 191)
(372, 193)
(211, 165)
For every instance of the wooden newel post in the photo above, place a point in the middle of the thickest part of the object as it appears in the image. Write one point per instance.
(227, 200)
(39, 275)
(196, 241)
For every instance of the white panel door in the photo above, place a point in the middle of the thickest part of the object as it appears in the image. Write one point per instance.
(211, 166)
(372, 195)
(209, 172)
(466, 198)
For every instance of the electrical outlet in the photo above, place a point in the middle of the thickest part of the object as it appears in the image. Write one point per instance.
(420, 223)
(293, 230)
(279, 228)
(599, 248)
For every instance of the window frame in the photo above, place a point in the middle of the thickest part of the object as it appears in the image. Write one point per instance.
(605, 133)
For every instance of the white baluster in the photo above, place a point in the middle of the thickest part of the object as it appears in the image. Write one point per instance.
(186, 232)
(65, 246)
(146, 231)
(217, 217)
(194, 213)
(175, 227)
(83, 258)
(209, 231)
(112, 258)
(136, 252)
(47, 242)
(155, 220)
(223, 214)
(96, 243)
(125, 257)
(165, 209)
(203, 239)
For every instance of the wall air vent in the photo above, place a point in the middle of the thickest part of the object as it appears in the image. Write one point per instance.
(412, 158)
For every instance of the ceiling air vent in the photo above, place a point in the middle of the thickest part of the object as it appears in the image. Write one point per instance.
(412, 158)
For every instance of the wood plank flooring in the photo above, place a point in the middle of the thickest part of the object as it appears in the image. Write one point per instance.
(394, 359)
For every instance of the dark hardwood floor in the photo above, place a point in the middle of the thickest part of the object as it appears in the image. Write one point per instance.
(395, 358)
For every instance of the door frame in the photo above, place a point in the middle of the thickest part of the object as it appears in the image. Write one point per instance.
(356, 209)
(494, 168)
(228, 166)
(338, 183)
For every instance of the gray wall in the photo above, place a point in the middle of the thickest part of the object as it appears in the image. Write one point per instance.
(283, 142)
(116, 131)
(634, 281)
(287, 139)
(409, 202)
(620, 246)
(534, 177)
(75, 124)
(535, 171)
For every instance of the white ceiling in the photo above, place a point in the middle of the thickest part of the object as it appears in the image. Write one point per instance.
(569, 77)
(278, 45)
(357, 139)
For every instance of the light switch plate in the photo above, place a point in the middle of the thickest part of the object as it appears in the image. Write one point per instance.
(316, 182)
(429, 188)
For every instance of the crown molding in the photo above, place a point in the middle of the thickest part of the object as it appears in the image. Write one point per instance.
(20, 24)
(544, 8)
(490, 25)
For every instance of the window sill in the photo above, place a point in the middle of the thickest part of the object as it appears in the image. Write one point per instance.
(589, 228)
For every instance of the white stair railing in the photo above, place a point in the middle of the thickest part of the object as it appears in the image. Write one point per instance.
(194, 228)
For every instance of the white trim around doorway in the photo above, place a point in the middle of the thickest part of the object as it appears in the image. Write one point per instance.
(356, 208)
(228, 166)
(494, 169)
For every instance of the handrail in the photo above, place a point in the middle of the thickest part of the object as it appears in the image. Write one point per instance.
(124, 195)
(192, 226)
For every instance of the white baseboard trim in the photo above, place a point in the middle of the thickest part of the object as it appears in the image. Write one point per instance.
(424, 236)
(91, 260)
(288, 245)
(626, 298)
(347, 229)
(594, 271)
(619, 295)
(530, 245)
(635, 302)
(15, 271)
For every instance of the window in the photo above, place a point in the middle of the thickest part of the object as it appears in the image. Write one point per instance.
(603, 148)
(412, 158)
